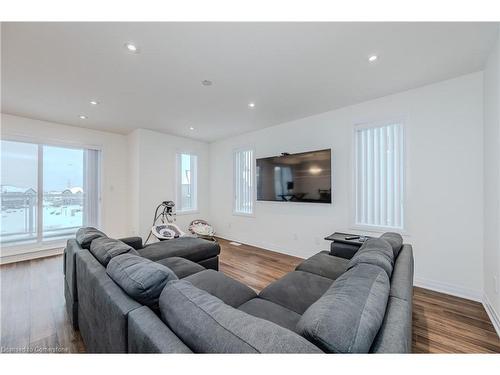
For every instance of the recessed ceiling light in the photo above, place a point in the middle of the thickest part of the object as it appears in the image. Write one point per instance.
(83, 117)
(206, 82)
(251, 105)
(131, 47)
(372, 58)
(94, 102)
(191, 128)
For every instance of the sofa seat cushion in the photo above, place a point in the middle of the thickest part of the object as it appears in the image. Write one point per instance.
(324, 264)
(395, 240)
(142, 279)
(208, 325)
(104, 249)
(85, 236)
(348, 316)
(268, 310)
(230, 291)
(296, 290)
(377, 252)
(181, 267)
(191, 248)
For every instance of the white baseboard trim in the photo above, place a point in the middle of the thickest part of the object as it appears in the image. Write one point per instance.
(442, 287)
(493, 315)
(30, 255)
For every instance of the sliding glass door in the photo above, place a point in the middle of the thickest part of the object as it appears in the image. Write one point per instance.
(48, 192)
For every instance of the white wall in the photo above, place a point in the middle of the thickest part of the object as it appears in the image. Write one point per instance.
(152, 173)
(444, 133)
(492, 181)
(115, 212)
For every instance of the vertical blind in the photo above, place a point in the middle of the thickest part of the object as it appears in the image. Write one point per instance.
(91, 187)
(379, 176)
(243, 181)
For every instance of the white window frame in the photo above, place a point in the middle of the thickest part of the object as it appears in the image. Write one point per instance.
(253, 177)
(16, 249)
(178, 182)
(379, 228)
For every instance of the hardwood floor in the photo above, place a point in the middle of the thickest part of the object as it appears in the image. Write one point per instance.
(33, 316)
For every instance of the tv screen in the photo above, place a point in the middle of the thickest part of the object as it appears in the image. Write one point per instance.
(304, 177)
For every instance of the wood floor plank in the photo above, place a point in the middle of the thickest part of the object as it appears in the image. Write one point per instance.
(15, 306)
(33, 313)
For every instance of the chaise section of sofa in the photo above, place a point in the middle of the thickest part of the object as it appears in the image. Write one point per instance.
(201, 251)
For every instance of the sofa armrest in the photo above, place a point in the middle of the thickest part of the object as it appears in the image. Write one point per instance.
(148, 334)
(135, 242)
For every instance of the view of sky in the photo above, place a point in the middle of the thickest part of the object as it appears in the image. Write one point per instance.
(63, 167)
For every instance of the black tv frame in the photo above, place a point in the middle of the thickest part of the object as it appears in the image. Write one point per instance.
(285, 154)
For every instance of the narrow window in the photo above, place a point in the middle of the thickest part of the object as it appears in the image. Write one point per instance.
(379, 176)
(187, 199)
(243, 182)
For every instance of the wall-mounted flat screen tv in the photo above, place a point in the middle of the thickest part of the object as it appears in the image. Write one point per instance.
(304, 177)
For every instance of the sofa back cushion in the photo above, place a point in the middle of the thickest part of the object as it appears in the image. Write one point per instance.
(208, 325)
(347, 317)
(395, 240)
(104, 249)
(377, 252)
(85, 235)
(142, 279)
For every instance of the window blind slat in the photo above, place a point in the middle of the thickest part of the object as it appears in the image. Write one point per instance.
(383, 176)
(369, 174)
(245, 182)
(357, 137)
(396, 161)
(376, 177)
(390, 177)
(365, 172)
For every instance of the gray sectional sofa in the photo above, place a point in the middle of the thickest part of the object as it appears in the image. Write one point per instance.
(328, 304)
(202, 253)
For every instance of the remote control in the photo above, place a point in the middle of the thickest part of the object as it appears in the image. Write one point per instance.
(352, 237)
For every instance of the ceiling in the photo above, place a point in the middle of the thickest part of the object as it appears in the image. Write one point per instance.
(51, 71)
